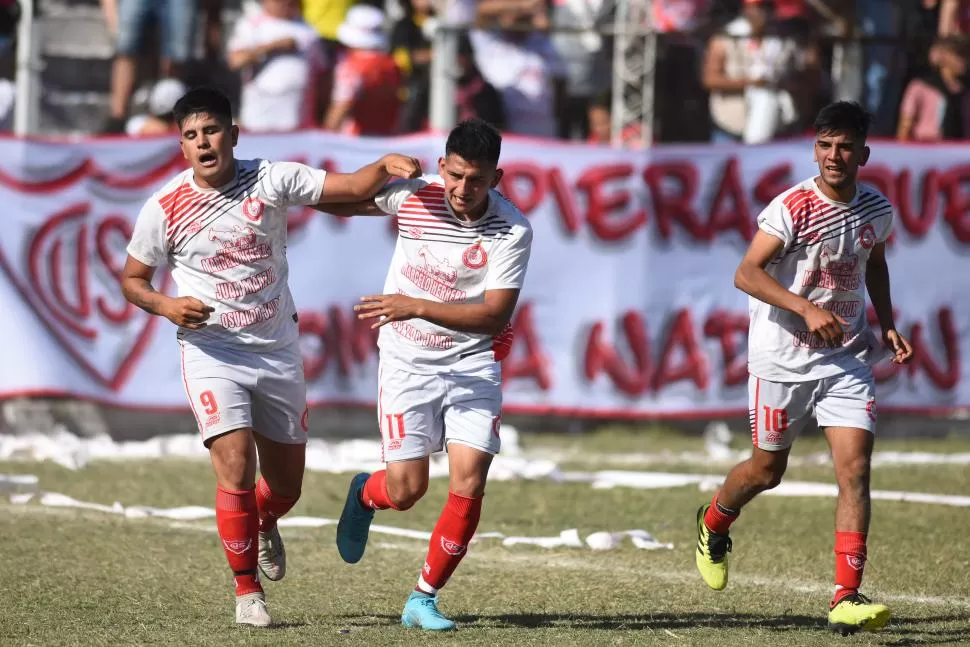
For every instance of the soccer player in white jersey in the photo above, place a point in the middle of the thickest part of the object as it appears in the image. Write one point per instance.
(819, 247)
(459, 263)
(220, 226)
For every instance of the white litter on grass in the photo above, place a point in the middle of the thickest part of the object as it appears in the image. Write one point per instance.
(566, 539)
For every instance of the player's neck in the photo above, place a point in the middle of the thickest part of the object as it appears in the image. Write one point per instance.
(842, 194)
(217, 182)
(472, 216)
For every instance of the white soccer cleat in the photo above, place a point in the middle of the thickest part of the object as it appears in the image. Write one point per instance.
(251, 610)
(272, 555)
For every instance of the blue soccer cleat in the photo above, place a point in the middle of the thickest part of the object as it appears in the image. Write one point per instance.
(421, 612)
(354, 524)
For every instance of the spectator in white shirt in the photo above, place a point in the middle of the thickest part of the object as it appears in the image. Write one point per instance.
(282, 60)
(522, 64)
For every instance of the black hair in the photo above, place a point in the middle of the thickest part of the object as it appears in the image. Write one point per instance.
(843, 116)
(209, 101)
(475, 140)
(602, 100)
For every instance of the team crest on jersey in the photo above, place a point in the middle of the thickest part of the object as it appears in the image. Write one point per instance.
(475, 257)
(867, 237)
(253, 208)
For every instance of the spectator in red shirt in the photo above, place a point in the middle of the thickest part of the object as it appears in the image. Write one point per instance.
(366, 95)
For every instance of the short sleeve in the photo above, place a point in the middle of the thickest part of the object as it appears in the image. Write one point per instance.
(887, 228)
(148, 244)
(393, 195)
(296, 184)
(242, 36)
(776, 221)
(509, 261)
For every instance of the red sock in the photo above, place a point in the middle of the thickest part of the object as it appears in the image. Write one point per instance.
(238, 523)
(271, 506)
(718, 521)
(850, 560)
(374, 493)
(449, 541)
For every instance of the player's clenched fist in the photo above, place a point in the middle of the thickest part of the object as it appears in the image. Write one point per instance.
(826, 325)
(902, 349)
(187, 312)
(402, 166)
(389, 307)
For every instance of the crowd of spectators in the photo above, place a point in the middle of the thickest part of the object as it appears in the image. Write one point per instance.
(726, 70)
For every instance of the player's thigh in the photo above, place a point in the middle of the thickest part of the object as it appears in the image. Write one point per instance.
(279, 398)
(473, 411)
(848, 400)
(778, 411)
(217, 390)
(409, 409)
(133, 19)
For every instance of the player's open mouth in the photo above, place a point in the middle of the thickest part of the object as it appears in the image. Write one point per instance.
(208, 160)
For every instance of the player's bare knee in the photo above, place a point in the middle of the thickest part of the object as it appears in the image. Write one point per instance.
(404, 493)
(852, 474)
(468, 485)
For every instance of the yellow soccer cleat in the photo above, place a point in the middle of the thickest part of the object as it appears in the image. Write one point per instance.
(855, 612)
(711, 554)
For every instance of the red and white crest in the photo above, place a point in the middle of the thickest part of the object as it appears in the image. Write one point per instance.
(871, 409)
(253, 208)
(63, 269)
(856, 561)
(867, 237)
(475, 257)
(451, 547)
(237, 546)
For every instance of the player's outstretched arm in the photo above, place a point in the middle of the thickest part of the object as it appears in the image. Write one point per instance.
(364, 183)
(348, 209)
(752, 278)
(136, 285)
(877, 285)
(488, 318)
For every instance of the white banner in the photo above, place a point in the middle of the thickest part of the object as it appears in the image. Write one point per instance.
(629, 308)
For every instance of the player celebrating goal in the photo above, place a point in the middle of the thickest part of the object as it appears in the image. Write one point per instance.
(810, 350)
(459, 263)
(221, 228)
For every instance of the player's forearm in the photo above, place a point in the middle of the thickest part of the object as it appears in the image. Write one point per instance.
(364, 183)
(877, 285)
(346, 210)
(756, 282)
(475, 318)
(141, 293)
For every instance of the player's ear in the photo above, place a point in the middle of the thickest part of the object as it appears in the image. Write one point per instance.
(235, 134)
(498, 177)
(864, 158)
(441, 166)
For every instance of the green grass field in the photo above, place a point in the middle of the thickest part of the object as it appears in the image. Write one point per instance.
(75, 577)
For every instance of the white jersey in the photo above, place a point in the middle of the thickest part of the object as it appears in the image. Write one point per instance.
(441, 258)
(826, 247)
(227, 248)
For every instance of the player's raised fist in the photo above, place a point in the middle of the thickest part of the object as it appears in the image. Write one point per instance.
(188, 312)
(402, 166)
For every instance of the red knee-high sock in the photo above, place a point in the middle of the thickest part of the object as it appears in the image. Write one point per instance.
(449, 541)
(238, 521)
(271, 506)
(374, 493)
(718, 519)
(850, 560)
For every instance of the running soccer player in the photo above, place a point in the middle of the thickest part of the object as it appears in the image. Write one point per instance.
(819, 247)
(221, 228)
(459, 263)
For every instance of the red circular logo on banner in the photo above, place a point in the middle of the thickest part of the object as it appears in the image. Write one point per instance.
(475, 257)
(253, 208)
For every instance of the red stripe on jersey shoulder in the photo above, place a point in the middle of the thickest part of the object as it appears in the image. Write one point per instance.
(801, 203)
(175, 202)
(428, 199)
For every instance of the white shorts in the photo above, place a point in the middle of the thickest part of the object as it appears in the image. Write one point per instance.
(230, 389)
(780, 410)
(419, 414)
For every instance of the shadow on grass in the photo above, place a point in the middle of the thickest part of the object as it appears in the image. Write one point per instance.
(901, 632)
